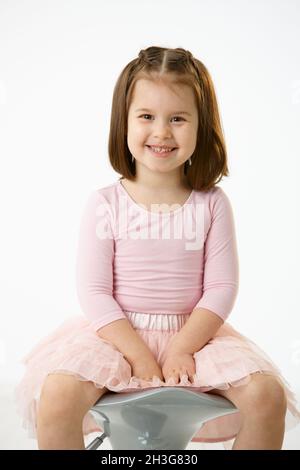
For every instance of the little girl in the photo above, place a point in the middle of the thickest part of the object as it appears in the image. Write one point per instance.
(157, 275)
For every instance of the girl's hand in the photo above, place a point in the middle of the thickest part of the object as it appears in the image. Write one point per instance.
(178, 363)
(146, 368)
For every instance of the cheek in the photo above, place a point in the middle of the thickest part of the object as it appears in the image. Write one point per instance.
(190, 140)
(138, 134)
(187, 141)
(135, 141)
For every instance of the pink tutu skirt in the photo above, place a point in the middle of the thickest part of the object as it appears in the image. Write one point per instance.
(74, 348)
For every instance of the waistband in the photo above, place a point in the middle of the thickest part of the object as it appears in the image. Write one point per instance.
(157, 321)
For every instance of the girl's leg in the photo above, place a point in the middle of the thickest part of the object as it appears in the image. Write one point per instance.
(262, 403)
(63, 403)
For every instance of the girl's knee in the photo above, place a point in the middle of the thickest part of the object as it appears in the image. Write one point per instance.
(63, 396)
(266, 394)
(59, 397)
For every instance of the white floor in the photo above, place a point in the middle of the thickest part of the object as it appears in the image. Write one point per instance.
(13, 436)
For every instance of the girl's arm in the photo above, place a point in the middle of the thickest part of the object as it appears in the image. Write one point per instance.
(128, 342)
(220, 280)
(201, 326)
(94, 278)
(94, 266)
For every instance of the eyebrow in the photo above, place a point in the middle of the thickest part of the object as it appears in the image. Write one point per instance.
(149, 111)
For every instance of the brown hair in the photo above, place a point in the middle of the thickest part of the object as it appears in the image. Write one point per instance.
(209, 160)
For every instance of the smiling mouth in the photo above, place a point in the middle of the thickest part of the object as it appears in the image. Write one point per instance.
(161, 152)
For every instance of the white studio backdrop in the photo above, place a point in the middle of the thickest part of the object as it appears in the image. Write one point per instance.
(59, 61)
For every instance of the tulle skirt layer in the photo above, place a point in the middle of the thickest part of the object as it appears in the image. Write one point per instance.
(228, 360)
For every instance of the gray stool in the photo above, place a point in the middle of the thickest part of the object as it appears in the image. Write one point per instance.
(157, 418)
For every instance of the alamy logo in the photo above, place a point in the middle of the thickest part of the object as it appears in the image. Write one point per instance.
(130, 223)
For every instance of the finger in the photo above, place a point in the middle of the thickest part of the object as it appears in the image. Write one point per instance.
(191, 375)
(185, 374)
(174, 377)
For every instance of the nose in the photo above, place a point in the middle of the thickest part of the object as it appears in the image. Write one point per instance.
(162, 130)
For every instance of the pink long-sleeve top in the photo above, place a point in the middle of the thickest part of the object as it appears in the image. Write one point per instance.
(131, 259)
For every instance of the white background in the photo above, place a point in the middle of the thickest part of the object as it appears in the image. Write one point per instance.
(59, 61)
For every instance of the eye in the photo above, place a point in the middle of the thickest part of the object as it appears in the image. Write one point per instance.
(179, 118)
(144, 115)
(150, 115)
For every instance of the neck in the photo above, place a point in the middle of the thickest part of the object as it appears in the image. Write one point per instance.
(162, 182)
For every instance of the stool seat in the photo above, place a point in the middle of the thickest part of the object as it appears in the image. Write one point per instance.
(157, 418)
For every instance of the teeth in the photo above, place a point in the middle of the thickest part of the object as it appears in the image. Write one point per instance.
(160, 150)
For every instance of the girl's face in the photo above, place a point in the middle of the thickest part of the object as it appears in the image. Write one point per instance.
(160, 116)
